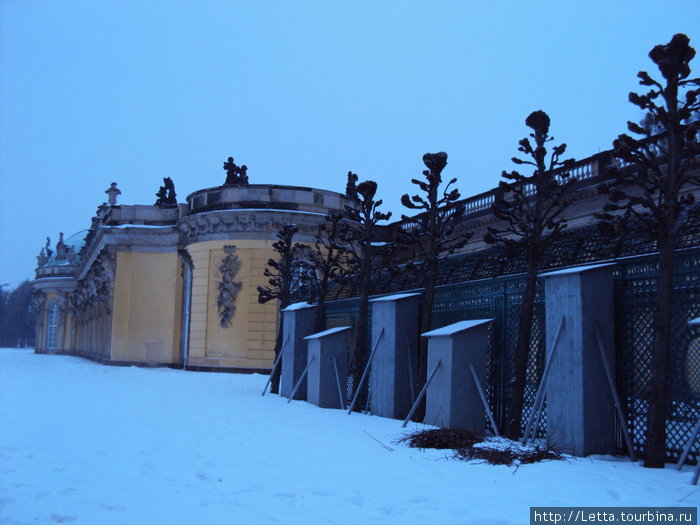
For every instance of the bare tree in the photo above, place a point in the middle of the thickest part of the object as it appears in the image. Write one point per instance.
(649, 193)
(431, 239)
(363, 255)
(531, 210)
(324, 263)
(280, 273)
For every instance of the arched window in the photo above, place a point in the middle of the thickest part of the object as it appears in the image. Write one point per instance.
(302, 287)
(51, 322)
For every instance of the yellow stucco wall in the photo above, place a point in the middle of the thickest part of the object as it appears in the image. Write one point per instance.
(66, 332)
(147, 306)
(249, 341)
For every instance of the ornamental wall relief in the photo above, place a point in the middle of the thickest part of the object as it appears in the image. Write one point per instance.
(38, 304)
(227, 285)
(92, 297)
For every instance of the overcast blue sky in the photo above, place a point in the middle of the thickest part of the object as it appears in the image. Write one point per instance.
(301, 92)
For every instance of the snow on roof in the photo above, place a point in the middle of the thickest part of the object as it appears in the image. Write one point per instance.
(122, 226)
(196, 213)
(297, 306)
(576, 269)
(452, 329)
(326, 332)
(394, 297)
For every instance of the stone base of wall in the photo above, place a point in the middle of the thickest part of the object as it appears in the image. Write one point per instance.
(97, 357)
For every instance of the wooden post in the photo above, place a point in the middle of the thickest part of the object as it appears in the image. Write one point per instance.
(688, 445)
(364, 374)
(421, 394)
(341, 397)
(274, 367)
(483, 400)
(616, 398)
(539, 398)
(301, 378)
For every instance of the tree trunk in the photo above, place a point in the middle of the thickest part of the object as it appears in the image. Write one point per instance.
(522, 350)
(425, 325)
(361, 334)
(656, 421)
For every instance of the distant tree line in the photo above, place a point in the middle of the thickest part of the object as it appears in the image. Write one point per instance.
(17, 320)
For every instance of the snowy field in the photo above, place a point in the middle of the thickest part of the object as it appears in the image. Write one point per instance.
(86, 443)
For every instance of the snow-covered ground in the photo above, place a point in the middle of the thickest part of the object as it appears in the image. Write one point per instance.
(86, 443)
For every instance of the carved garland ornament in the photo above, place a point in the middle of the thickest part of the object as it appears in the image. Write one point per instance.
(38, 303)
(228, 288)
(93, 295)
(63, 305)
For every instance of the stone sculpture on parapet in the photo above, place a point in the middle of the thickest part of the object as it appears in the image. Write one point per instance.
(166, 194)
(235, 175)
(112, 193)
(44, 254)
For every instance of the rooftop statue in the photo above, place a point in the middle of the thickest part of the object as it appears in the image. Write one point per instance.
(166, 194)
(235, 175)
(42, 259)
(47, 248)
(112, 192)
(61, 248)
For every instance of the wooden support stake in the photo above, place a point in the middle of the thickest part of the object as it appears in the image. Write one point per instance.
(301, 378)
(539, 397)
(364, 374)
(274, 367)
(538, 414)
(421, 394)
(337, 380)
(410, 374)
(686, 449)
(696, 475)
(369, 401)
(483, 400)
(616, 398)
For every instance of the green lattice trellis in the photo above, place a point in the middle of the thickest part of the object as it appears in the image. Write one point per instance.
(499, 298)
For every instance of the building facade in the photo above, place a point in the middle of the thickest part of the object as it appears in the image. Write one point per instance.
(173, 284)
(176, 284)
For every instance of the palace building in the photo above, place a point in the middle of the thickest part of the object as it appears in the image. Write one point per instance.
(174, 284)
(177, 285)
